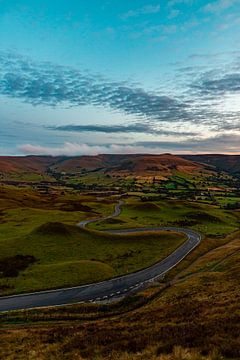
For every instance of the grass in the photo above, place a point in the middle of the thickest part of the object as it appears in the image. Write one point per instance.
(98, 178)
(208, 219)
(196, 318)
(193, 314)
(23, 209)
(27, 177)
(67, 256)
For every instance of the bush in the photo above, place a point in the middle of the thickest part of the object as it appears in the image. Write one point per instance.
(10, 266)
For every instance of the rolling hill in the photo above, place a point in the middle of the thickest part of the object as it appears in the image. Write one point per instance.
(32, 164)
(163, 165)
(137, 165)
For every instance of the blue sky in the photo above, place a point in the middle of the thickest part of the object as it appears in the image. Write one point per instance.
(110, 76)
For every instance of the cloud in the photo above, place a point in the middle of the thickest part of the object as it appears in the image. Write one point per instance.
(228, 83)
(201, 94)
(230, 126)
(132, 128)
(176, 2)
(73, 149)
(217, 144)
(145, 10)
(48, 84)
(225, 143)
(218, 6)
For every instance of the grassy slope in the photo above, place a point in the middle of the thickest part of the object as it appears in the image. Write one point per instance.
(68, 256)
(85, 256)
(196, 318)
(208, 219)
(24, 209)
(199, 311)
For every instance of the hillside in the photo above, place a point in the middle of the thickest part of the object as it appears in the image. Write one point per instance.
(222, 162)
(55, 255)
(31, 164)
(143, 166)
(193, 317)
(163, 165)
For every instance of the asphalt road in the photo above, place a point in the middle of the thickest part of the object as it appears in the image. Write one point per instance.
(108, 289)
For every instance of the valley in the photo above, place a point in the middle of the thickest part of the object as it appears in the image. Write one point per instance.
(43, 199)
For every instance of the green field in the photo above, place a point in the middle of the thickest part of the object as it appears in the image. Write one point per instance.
(66, 255)
(44, 226)
(191, 314)
(208, 219)
(195, 317)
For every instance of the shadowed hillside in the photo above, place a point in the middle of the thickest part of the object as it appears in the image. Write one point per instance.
(221, 162)
(195, 316)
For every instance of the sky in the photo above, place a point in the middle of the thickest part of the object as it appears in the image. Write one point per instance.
(108, 76)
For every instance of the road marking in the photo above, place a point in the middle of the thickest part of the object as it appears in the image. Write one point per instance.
(191, 235)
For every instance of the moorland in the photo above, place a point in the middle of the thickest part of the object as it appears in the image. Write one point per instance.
(193, 313)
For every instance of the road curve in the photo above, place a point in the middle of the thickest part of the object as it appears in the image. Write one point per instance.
(108, 289)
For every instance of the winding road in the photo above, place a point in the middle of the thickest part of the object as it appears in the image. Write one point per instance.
(108, 289)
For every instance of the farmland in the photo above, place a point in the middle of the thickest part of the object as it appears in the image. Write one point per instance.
(192, 313)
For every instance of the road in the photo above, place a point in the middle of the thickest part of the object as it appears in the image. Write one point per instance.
(108, 289)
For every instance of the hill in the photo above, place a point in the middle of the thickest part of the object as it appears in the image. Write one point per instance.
(140, 166)
(56, 254)
(193, 316)
(221, 162)
(163, 165)
(32, 164)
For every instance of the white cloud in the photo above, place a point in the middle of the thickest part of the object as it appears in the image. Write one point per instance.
(72, 149)
(217, 6)
(145, 10)
(177, 2)
(228, 144)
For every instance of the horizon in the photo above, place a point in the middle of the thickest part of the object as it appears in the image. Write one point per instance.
(105, 77)
(122, 154)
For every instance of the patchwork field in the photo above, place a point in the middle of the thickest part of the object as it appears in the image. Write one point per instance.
(42, 248)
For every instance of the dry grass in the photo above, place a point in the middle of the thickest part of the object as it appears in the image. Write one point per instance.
(193, 315)
(197, 318)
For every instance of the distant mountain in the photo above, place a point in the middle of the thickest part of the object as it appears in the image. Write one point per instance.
(163, 165)
(226, 163)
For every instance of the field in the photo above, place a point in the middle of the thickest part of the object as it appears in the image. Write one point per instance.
(206, 218)
(194, 316)
(191, 314)
(63, 255)
(42, 248)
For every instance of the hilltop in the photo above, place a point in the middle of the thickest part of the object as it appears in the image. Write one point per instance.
(131, 164)
(128, 164)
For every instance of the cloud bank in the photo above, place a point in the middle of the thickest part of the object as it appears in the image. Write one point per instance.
(224, 143)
